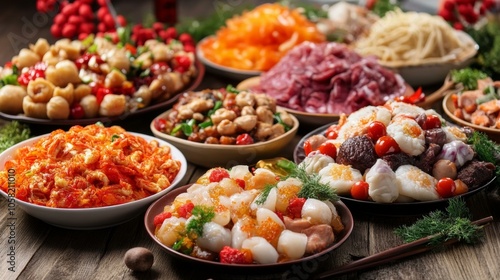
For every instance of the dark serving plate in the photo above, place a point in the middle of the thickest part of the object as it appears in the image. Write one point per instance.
(151, 108)
(384, 209)
(158, 206)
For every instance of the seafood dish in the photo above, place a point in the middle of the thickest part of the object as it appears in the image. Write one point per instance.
(251, 216)
(396, 153)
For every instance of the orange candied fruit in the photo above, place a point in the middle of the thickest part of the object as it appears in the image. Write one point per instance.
(257, 39)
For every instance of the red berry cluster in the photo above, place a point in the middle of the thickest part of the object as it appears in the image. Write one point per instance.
(462, 13)
(78, 19)
(160, 31)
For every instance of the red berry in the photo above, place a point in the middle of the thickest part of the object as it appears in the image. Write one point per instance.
(86, 11)
(68, 30)
(87, 27)
(55, 30)
(69, 10)
(186, 38)
(189, 48)
(171, 32)
(74, 19)
(160, 124)
(60, 19)
(108, 20)
(77, 111)
(101, 3)
(121, 20)
(102, 12)
(101, 27)
(158, 26)
(41, 6)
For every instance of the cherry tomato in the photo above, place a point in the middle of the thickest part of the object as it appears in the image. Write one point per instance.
(160, 124)
(445, 187)
(360, 190)
(386, 145)
(307, 147)
(218, 174)
(244, 139)
(432, 121)
(329, 149)
(332, 132)
(77, 111)
(294, 208)
(376, 130)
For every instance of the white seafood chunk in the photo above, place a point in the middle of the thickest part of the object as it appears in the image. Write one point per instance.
(314, 162)
(169, 230)
(262, 251)
(316, 211)
(339, 177)
(240, 203)
(241, 231)
(240, 172)
(382, 181)
(408, 134)
(264, 215)
(404, 109)
(292, 244)
(214, 237)
(416, 184)
(269, 203)
(454, 133)
(357, 121)
(457, 152)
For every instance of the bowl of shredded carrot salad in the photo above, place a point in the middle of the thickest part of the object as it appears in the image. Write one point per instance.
(89, 177)
(257, 39)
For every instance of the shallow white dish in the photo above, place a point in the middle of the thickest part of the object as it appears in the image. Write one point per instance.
(228, 72)
(218, 155)
(432, 73)
(92, 218)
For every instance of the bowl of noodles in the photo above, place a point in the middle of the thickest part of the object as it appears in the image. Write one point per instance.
(84, 178)
(422, 48)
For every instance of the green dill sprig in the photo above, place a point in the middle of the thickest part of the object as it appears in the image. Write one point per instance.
(264, 194)
(311, 185)
(12, 133)
(200, 216)
(442, 226)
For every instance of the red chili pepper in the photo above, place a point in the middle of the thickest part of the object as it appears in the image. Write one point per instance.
(416, 97)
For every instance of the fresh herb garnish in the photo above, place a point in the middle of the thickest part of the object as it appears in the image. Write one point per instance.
(311, 186)
(232, 89)
(114, 137)
(185, 127)
(381, 7)
(277, 119)
(12, 133)
(264, 194)
(454, 224)
(486, 150)
(200, 216)
(467, 77)
(9, 80)
(217, 106)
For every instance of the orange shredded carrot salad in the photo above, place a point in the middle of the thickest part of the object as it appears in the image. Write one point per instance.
(90, 166)
(257, 39)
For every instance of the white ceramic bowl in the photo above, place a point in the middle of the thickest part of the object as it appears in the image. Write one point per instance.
(433, 73)
(225, 71)
(216, 155)
(92, 218)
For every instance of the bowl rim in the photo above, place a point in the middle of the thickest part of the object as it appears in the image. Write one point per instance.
(178, 178)
(449, 109)
(344, 212)
(294, 129)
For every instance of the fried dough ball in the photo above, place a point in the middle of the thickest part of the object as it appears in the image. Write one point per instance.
(63, 73)
(81, 91)
(26, 58)
(51, 57)
(58, 108)
(112, 105)
(90, 106)
(161, 52)
(144, 94)
(34, 110)
(67, 50)
(66, 92)
(114, 79)
(119, 60)
(11, 99)
(41, 47)
(40, 90)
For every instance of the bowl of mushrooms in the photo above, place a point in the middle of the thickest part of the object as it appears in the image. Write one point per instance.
(226, 127)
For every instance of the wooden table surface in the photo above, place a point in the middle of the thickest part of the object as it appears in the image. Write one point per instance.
(43, 251)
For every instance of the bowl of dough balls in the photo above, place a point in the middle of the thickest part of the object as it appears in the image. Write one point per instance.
(72, 82)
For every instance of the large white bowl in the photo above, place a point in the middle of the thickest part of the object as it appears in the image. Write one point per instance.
(217, 155)
(433, 73)
(92, 218)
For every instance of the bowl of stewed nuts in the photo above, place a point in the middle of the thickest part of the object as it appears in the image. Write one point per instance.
(226, 127)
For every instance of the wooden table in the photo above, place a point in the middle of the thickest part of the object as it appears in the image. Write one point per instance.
(43, 251)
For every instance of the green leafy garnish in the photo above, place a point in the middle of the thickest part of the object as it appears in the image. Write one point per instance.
(311, 187)
(232, 89)
(488, 39)
(12, 133)
(264, 194)
(114, 137)
(454, 224)
(486, 150)
(185, 127)
(277, 119)
(217, 106)
(9, 80)
(381, 7)
(200, 216)
(467, 77)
